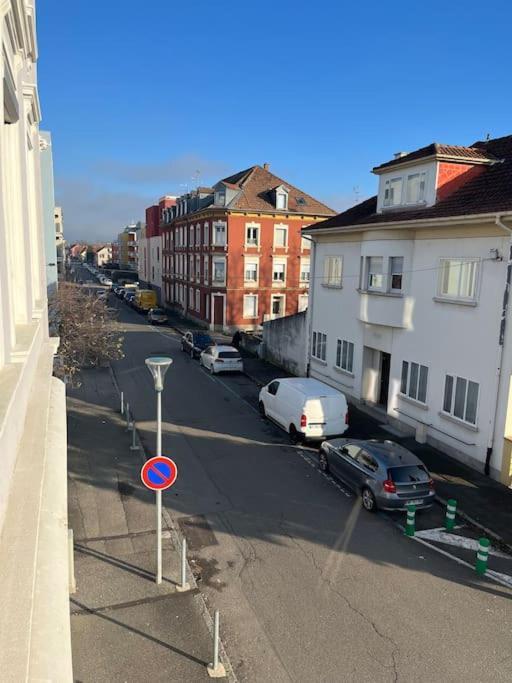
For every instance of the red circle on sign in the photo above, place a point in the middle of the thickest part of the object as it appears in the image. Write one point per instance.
(159, 473)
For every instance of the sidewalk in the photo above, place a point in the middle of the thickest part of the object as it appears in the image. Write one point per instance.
(124, 627)
(481, 500)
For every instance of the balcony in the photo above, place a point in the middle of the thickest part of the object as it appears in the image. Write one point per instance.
(382, 308)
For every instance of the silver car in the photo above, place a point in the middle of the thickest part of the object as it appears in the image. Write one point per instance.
(221, 359)
(385, 474)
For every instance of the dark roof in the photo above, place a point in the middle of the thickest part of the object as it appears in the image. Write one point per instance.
(257, 193)
(436, 149)
(488, 192)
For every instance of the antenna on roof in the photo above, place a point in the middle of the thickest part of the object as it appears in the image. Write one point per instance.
(487, 137)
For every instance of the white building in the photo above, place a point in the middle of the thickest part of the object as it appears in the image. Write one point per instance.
(102, 255)
(59, 239)
(35, 639)
(408, 302)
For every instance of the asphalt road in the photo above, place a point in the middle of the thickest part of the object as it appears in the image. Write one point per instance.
(310, 587)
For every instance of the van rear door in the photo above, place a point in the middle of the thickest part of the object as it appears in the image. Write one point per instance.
(326, 415)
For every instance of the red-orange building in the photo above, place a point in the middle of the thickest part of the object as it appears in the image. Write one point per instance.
(234, 255)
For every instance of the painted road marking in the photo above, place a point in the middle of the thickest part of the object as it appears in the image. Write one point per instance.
(324, 475)
(441, 536)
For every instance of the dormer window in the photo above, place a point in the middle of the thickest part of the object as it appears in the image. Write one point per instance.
(220, 198)
(393, 192)
(282, 198)
(415, 193)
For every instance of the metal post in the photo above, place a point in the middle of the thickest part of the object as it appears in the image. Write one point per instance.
(451, 508)
(71, 562)
(158, 493)
(184, 585)
(122, 403)
(411, 519)
(216, 669)
(134, 446)
(127, 413)
(482, 555)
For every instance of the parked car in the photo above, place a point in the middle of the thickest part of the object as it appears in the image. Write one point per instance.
(157, 316)
(194, 343)
(304, 407)
(385, 474)
(129, 297)
(221, 359)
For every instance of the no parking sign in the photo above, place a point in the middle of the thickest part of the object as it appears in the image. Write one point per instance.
(159, 473)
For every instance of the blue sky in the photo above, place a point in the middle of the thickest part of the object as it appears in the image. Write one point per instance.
(139, 96)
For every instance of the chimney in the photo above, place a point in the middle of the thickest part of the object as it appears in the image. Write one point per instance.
(266, 166)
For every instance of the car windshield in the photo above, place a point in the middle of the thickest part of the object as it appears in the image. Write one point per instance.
(229, 354)
(408, 474)
(203, 339)
(158, 311)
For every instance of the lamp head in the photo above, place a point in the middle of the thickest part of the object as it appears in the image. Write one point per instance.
(158, 366)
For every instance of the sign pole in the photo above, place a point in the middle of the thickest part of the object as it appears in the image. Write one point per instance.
(158, 493)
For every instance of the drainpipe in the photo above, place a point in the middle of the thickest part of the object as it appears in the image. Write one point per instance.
(501, 338)
(309, 325)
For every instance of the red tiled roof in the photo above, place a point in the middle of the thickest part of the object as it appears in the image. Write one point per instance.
(489, 192)
(436, 149)
(257, 187)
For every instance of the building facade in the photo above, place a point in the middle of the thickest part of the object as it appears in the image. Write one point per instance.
(128, 246)
(48, 207)
(234, 255)
(34, 588)
(102, 255)
(59, 239)
(409, 311)
(150, 254)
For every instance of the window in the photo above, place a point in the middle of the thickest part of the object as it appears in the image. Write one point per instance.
(158, 253)
(219, 234)
(280, 236)
(191, 240)
(198, 268)
(460, 398)
(457, 278)
(345, 355)
(219, 270)
(205, 270)
(277, 305)
(304, 270)
(198, 300)
(190, 267)
(332, 271)
(205, 235)
(319, 348)
(198, 235)
(279, 272)
(396, 266)
(272, 388)
(414, 381)
(365, 460)
(220, 198)
(303, 302)
(282, 201)
(251, 271)
(305, 243)
(375, 275)
(393, 192)
(415, 191)
(252, 235)
(250, 306)
(191, 297)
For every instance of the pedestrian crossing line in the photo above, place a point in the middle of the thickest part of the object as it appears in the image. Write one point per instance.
(441, 536)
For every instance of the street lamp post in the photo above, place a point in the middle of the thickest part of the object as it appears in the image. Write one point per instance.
(158, 366)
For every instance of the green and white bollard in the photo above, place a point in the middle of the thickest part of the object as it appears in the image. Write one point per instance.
(410, 527)
(451, 509)
(482, 555)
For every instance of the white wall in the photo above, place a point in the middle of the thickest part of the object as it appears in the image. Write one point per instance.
(155, 273)
(448, 338)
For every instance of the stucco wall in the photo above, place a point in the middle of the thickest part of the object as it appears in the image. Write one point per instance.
(284, 343)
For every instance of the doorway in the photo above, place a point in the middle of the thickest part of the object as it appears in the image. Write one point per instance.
(385, 365)
(218, 311)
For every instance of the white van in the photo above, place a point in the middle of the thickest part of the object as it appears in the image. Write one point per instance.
(306, 408)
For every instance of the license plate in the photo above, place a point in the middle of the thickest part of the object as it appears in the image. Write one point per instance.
(417, 502)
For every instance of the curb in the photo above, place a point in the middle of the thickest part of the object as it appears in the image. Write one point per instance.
(172, 527)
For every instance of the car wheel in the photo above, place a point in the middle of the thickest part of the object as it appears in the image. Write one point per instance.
(323, 463)
(368, 500)
(261, 406)
(294, 434)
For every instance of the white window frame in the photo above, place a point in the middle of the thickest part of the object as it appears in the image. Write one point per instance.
(344, 356)
(422, 188)
(191, 300)
(198, 268)
(215, 226)
(276, 261)
(300, 303)
(370, 287)
(319, 346)
(454, 387)
(283, 299)
(252, 226)
(206, 273)
(305, 244)
(282, 195)
(392, 272)
(215, 260)
(191, 266)
(254, 297)
(198, 235)
(386, 201)
(410, 381)
(206, 235)
(251, 262)
(281, 226)
(333, 271)
(462, 260)
(191, 235)
(305, 261)
(198, 300)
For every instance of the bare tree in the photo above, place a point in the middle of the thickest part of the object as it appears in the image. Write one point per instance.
(86, 327)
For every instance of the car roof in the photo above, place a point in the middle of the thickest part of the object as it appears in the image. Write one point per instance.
(225, 347)
(309, 386)
(387, 452)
